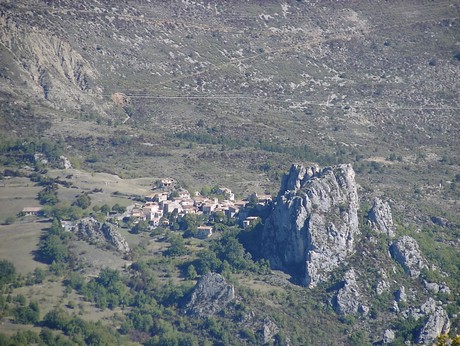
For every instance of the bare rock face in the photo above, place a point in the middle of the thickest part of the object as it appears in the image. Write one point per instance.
(438, 323)
(91, 230)
(406, 252)
(380, 217)
(314, 222)
(50, 65)
(349, 299)
(211, 295)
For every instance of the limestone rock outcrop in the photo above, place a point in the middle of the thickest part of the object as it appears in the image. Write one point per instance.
(380, 217)
(314, 224)
(438, 323)
(91, 230)
(405, 251)
(210, 295)
(349, 299)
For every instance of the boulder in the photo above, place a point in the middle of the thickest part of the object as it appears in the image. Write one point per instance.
(380, 217)
(210, 295)
(313, 225)
(440, 221)
(407, 253)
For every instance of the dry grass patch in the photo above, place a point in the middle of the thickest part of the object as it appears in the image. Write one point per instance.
(19, 241)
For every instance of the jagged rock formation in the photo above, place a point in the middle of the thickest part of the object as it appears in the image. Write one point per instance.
(210, 295)
(349, 299)
(380, 217)
(314, 223)
(438, 323)
(406, 252)
(91, 230)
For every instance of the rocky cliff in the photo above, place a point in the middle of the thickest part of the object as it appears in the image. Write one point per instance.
(314, 223)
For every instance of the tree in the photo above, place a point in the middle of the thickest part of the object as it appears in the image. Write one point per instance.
(177, 247)
(206, 190)
(253, 200)
(27, 314)
(191, 273)
(105, 209)
(10, 220)
(48, 195)
(141, 226)
(118, 208)
(7, 272)
(83, 201)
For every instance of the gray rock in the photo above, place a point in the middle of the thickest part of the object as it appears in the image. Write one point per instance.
(383, 284)
(443, 288)
(114, 237)
(269, 331)
(64, 163)
(440, 221)
(40, 158)
(388, 336)
(348, 299)
(210, 295)
(313, 225)
(401, 295)
(431, 286)
(425, 309)
(438, 323)
(428, 307)
(395, 306)
(406, 252)
(91, 230)
(380, 217)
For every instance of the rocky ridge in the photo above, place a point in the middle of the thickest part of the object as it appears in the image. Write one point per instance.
(314, 223)
(91, 230)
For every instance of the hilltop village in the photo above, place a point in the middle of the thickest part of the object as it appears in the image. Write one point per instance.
(167, 203)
